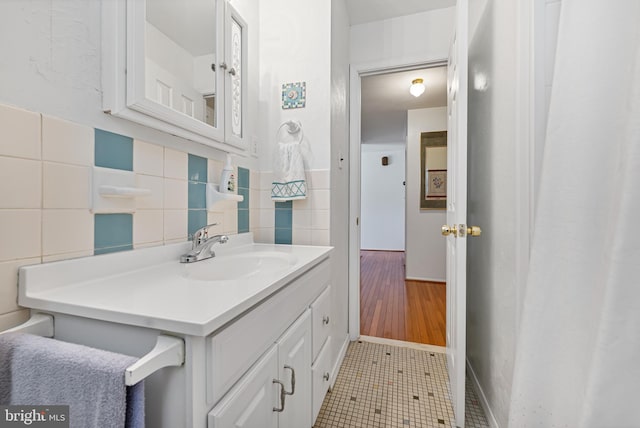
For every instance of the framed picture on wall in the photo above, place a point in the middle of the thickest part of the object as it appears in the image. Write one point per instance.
(433, 170)
(437, 183)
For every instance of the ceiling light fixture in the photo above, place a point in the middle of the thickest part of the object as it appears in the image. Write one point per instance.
(417, 87)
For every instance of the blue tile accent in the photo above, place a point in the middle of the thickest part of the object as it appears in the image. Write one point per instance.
(283, 222)
(196, 219)
(243, 177)
(197, 195)
(113, 150)
(283, 236)
(284, 219)
(112, 232)
(243, 221)
(197, 169)
(244, 205)
(99, 251)
(284, 205)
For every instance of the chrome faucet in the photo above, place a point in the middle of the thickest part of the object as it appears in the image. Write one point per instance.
(202, 243)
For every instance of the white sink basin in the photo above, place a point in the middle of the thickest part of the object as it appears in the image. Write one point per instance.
(239, 266)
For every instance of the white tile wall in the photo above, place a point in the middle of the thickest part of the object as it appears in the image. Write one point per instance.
(175, 194)
(148, 227)
(155, 201)
(320, 219)
(66, 256)
(310, 217)
(217, 218)
(148, 159)
(175, 225)
(66, 231)
(44, 197)
(67, 142)
(20, 133)
(230, 221)
(214, 171)
(65, 186)
(20, 234)
(20, 183)
(301, 236)
(176, 164)
(9, 278)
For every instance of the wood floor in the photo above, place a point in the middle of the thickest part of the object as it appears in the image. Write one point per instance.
(390, 307)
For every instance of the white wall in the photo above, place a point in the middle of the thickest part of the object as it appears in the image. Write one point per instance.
(53, 66)
(492, 268)
(295, 46)
(425, 247)
(382, 197)
(339, 138)
(404, 40)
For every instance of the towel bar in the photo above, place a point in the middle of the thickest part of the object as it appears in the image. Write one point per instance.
(168, 351)
(38, 324)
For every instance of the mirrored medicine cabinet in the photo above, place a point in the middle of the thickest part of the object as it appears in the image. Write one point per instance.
(179, 67)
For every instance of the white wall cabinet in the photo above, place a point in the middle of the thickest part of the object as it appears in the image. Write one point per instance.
(179, 67)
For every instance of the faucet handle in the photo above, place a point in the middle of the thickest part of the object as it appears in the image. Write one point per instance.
(201, 235)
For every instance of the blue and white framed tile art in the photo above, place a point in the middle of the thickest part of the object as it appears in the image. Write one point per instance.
(294, 95)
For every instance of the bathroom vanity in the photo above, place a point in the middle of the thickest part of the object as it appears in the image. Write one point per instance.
(256, 322)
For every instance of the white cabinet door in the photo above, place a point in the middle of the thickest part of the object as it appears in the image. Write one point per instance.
(251, 403)
(294, 358)
(321, 319)
(235, 66)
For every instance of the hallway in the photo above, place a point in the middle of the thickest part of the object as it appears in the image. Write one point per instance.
(392, 308)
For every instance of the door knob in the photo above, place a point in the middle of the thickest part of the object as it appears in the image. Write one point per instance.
(449, 230)
(474, 231)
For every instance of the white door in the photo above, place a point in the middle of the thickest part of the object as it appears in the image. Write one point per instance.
(294, 362)
(456, 231)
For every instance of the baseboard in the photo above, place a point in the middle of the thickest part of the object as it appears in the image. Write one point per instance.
(483, 398)
(425, 279)
(338, 363)
(402, 343)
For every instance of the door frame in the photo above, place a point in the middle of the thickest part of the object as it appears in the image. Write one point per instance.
(356, 72)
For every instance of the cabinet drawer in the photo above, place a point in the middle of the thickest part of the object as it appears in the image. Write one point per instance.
(320, 375)
(234, 349)
(321, 320)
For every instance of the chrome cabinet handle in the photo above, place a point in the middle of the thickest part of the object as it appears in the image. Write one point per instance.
(232, 71)
(282, 396)
(223, 65)
(325, 319)
(293, 381)
(326, 376)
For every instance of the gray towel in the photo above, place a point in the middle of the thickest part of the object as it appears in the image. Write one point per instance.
(39, 371)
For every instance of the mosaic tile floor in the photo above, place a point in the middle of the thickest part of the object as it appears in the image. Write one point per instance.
(384, 386)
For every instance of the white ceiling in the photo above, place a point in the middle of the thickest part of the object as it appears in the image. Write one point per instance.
(363, 11)
(385, 100)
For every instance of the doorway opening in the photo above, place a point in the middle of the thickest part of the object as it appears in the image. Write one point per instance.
(401, 267)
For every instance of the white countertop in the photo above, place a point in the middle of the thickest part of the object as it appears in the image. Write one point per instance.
(150, 288)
